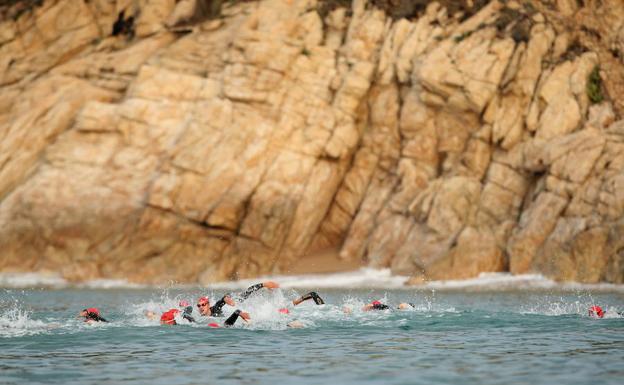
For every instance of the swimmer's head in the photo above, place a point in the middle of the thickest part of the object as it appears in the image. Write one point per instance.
(596, 312)
(376, 303)
(90, 313)
(284, 310)
(184, 303)
(150, 314)
(404, 306)
(203, 304)
(295, 324)
(168, 317)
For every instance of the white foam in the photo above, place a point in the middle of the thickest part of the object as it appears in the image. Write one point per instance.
(16, 322)
(54, 280)
(367, 278)
(110, 284)
(25, 280)
(363, 278)
(508, 281)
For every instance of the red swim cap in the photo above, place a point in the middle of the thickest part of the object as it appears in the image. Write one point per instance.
(283, 310)
(184, 303)
(93, 310)
(202, 300)
(168, 317)
(376, 303)
(596, 311)
(214, 325)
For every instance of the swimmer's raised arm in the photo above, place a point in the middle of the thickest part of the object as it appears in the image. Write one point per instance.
(187, 315)
(252, 289)
(92, 314)
(217, 309)
(232, 319)
(311, 295)
(375, 305)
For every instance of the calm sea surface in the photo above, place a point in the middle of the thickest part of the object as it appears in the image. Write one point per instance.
(536, 337)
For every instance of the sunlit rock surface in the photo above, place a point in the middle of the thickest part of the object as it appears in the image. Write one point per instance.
(203, 141)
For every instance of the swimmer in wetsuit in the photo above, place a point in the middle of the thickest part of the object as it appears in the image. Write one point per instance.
(311, 295)
(168, 317)
(378, 305)
(187, 310)
(252, 289)
(232, 318)
(375, 305)
(597, 312)
(203, 304)
(91, 314)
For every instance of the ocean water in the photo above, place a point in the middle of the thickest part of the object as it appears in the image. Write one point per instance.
(485, 334)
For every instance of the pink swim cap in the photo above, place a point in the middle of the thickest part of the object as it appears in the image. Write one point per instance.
(283, 310)
(168, 317)
(184, 303)
(93, 310)
(596, 311)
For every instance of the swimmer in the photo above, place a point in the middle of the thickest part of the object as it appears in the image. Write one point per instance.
(295, 324)
(150, 315)
(597, 312)
(311, 295)
(91, 314)
(252, 289)
(187, 310)
(375, 305)
(232, 319)
(168, 317)
(378, 305)
(203, 304)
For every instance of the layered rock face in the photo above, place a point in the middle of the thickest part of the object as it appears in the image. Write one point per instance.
(203, 141)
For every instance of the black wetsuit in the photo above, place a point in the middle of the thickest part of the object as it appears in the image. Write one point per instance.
(250, 290)
(94, 317)
(217, 309)
(311, 295)
(380, 306)
(186, 314)
(232, 319)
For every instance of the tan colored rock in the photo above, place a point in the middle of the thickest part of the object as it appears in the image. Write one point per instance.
(232, 139)
(476, 252)
(453, 205)
(600, 116)
(567, 7)
(534, 228)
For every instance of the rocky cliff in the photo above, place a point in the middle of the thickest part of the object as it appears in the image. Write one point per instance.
(197, 140)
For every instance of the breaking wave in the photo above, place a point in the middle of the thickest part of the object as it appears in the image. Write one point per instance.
(365, 278)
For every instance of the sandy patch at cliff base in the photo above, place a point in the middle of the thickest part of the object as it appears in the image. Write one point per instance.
(327, 261)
